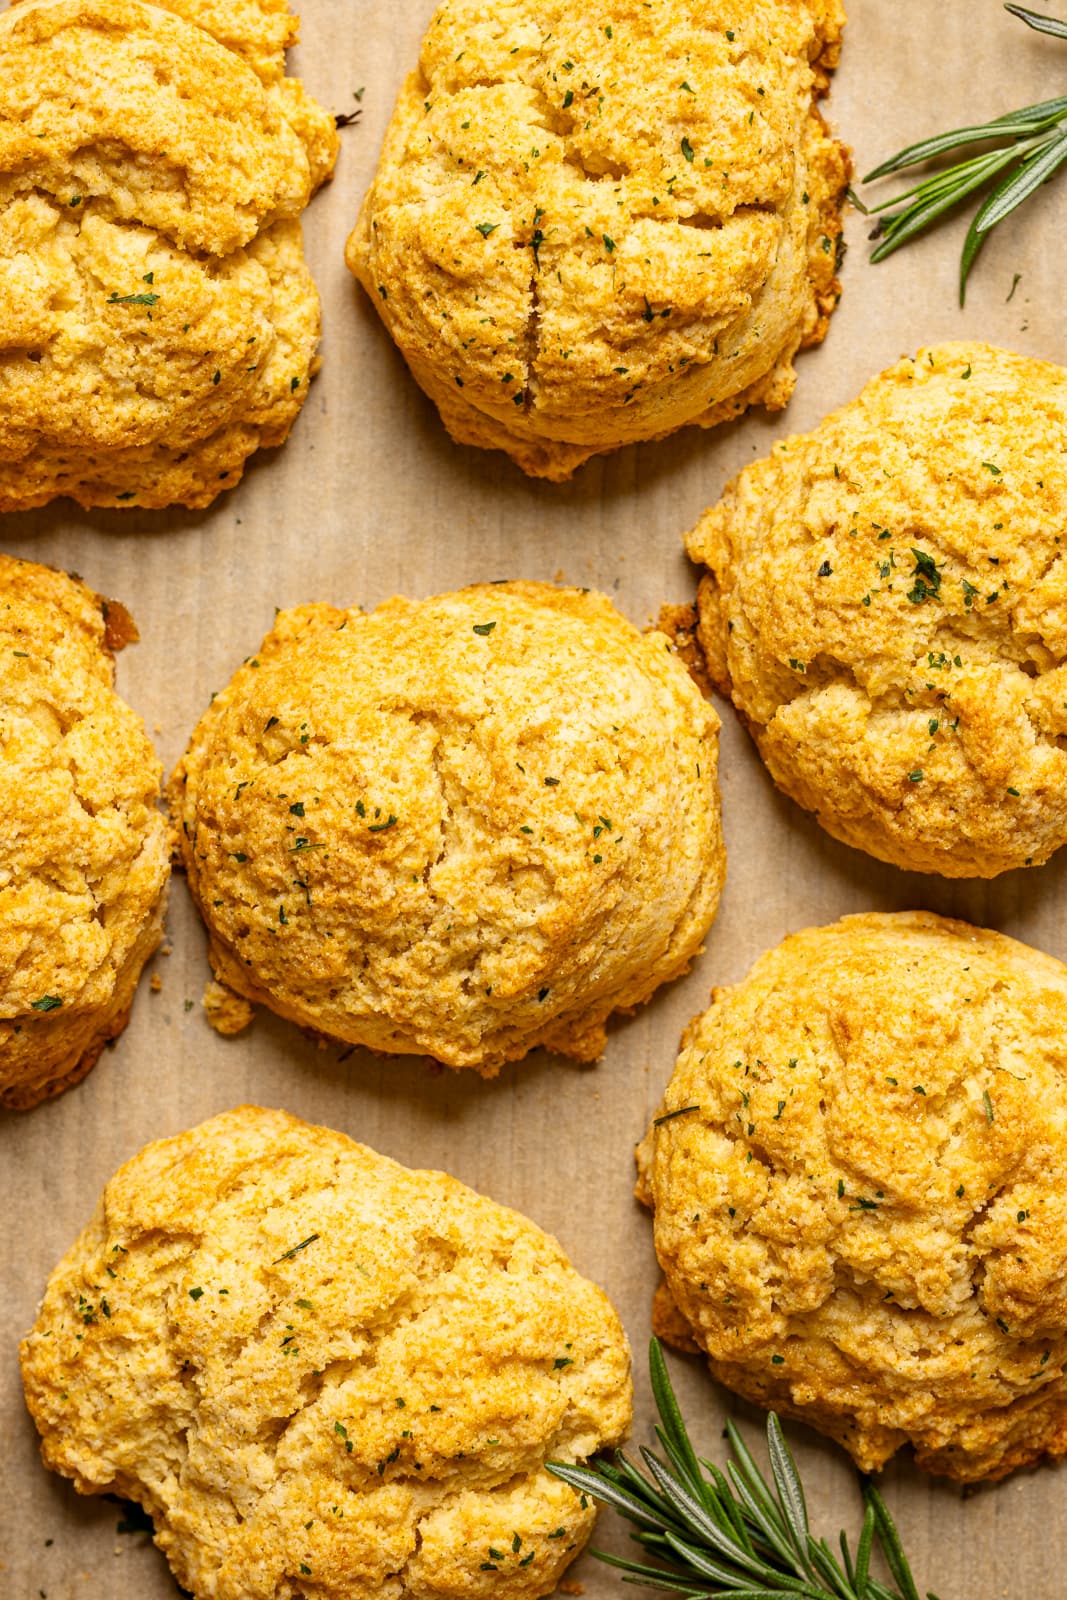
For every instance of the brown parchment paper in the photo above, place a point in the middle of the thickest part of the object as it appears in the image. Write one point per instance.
(370, 497)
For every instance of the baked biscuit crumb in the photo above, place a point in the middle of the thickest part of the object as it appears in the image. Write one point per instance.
(157, 320)
(84, 858)
(307, 1362)
(858, 1177)
(463, 827)
(228, 1013)
(588, 230)
(886, 605)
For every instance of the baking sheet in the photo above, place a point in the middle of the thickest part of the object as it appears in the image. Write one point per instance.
(369, 498)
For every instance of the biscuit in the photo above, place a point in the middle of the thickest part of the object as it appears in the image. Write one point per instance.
(886, 605)
(322, 1373)
(588, 230)
(858, 1177)
(462, 827)
(157, 320)
(84, 855)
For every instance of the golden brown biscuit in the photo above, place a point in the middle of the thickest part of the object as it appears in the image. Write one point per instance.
(84, 852)
(464, 827)
(322, 1373)
(157, 320)
(859, 1177)
(886, 604)
(591, 228)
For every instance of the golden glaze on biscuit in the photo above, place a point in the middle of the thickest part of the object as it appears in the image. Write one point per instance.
(886, 604)
(320, 1372)
(861, 1209)
(464, 827)
(157, 320)
(589, 229)
(84, 854)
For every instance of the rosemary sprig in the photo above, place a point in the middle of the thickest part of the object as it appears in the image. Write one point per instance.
(733, 1533)
(1031, 147)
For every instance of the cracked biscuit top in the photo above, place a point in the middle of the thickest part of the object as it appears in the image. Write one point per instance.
(462, 827)
(590, 229)
(324, 1374)
(859, 1178)
(157, 320)
(84, 851)
(886, 604)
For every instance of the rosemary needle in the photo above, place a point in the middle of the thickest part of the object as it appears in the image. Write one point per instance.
(733, 1533)
(1030, 148)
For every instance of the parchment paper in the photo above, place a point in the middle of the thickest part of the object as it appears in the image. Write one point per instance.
(370, 497)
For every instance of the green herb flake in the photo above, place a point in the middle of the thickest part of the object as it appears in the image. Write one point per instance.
(669, 1116)
(927, 585)
(289, 1254)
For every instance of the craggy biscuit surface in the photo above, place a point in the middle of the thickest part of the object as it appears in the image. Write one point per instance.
(324, 1374)
(590, 228)
(157, 320)
(886, 604)
(861, 1192)
(84, 855)
(464, 827)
